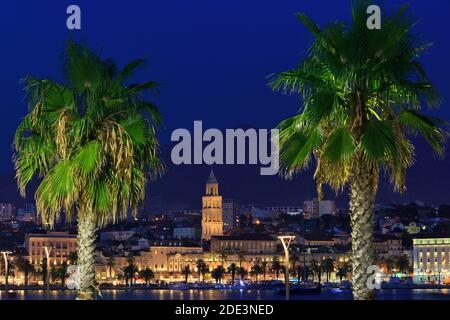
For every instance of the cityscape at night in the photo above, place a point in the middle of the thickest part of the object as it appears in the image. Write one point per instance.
(230, 151)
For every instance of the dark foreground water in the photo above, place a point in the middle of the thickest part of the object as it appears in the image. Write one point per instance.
(417, 294)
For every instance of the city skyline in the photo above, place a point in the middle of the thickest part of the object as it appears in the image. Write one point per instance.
(169, 252)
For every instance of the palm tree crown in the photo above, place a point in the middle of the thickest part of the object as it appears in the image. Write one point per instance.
(363, 92)
(91, 140)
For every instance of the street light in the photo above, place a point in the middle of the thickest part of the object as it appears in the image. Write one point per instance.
(286, 241)
(5, 257)
(48, 250)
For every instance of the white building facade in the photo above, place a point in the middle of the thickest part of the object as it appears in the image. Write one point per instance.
(431, 259)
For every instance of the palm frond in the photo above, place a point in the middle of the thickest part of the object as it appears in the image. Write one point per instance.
(378, 141)
(340, 146)
(308, 23)
(430, 128)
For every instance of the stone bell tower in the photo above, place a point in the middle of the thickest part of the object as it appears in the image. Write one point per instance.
(212, 220)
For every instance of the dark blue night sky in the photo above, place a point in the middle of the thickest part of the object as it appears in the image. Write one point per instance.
(212, 59)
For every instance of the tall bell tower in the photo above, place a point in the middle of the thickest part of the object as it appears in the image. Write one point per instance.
(212, 220)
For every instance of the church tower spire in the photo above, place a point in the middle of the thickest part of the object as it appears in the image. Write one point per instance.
(212, 185)
(212, 215)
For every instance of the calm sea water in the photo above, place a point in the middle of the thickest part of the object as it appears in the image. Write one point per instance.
(419, 294)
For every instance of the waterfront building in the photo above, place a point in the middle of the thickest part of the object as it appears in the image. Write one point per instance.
(212, 214)
(315, 240)
(387, 245)
(165, 257)
(60, 245)
(431, 254)
(244, 243)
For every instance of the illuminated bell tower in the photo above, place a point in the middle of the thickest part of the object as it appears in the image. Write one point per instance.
(212, 221)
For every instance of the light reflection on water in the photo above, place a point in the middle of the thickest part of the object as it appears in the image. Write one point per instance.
(335, 294)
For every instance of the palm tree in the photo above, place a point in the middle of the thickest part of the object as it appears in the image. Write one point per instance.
(276, 267)
(342, 271)
(72, 258)
(43, 271)
(362, 92)
(402, 263)
(121, 275)
(200, 265)
(204, 269)
(186, 271)
(8, 273)
(293, 259)
(242, 273)
(125, 275)
(62, 273)
(304, 272)
(25, 266)
(299, 272)
(232, 269)
(53, 274)
(130, 273)
(241, 258)
(264, 266)
(386, 263)
(328, 267)
(92, 142)
(256, 270)
(223, 256)
(111, 263)
(218, 274)
(317, 269)
(147, 274)
(131, 270)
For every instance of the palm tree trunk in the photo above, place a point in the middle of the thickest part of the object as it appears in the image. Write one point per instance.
(363, 186)
(86, 255)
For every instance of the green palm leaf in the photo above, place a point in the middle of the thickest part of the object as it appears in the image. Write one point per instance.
(428, 127)
(340, 146)
(298, 147)
(378, 141)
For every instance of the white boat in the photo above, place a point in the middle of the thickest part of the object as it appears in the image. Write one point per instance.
(179, 286)
(202, 286)
(397, 283)
(301, 289)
